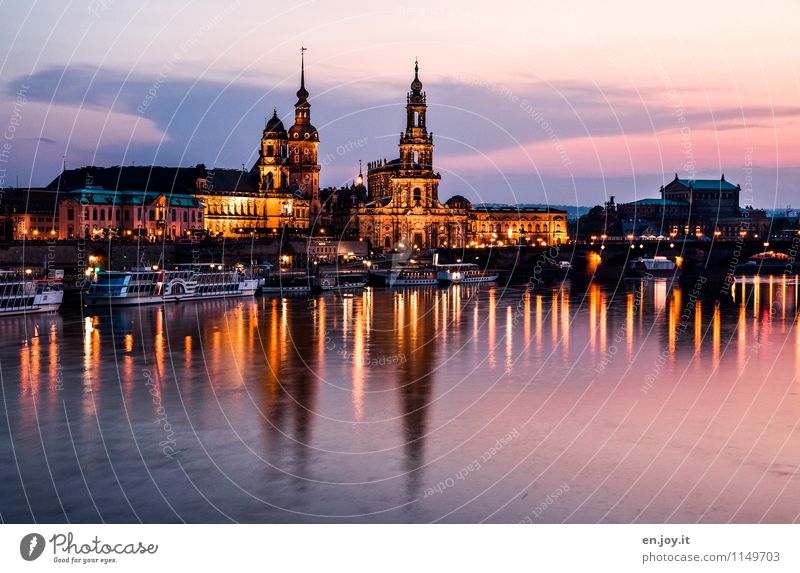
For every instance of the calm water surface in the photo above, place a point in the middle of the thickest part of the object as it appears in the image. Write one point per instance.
(636, 402)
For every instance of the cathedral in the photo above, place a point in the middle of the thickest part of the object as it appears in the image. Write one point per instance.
(403, 210)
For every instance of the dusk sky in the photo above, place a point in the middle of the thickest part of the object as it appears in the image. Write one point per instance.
(560, 102)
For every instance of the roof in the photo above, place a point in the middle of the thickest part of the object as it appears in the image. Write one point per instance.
(131, 197)
(519, 208)
(707, 184)
(155, 178)
(658, 201)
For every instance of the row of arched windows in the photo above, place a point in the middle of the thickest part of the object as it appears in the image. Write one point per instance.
(500, 228)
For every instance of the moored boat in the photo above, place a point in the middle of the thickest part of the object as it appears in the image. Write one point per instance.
(462, 273)
(20, 293)
(411, 275)
(286, 283)
(143, 285)
(328, 281)
(657, 266)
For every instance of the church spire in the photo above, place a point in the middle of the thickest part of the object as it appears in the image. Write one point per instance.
(416, 85)
(302, 93)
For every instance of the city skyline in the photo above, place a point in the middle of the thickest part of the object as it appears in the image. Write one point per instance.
(515, 121)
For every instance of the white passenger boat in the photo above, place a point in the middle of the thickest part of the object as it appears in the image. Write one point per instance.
(144, 285)
(463, 273)
(405, 276)
(657, 266)
(22, 294)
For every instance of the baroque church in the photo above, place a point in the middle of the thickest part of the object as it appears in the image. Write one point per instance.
(403, 210)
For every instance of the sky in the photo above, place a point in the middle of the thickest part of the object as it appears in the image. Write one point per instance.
(558, 102)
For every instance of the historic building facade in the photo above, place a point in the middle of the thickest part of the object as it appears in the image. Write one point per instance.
(395, 206)
(403, 209)
(500, 224)
(694, 208)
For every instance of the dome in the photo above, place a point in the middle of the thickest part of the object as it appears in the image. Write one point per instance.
(459, 202)
(274, 126)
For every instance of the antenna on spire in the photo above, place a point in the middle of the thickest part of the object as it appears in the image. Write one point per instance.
(302, 66)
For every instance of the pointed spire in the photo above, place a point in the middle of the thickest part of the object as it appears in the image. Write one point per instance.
(416, 85)
(302, 93)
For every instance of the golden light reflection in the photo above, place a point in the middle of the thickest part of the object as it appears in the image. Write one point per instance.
(603, 321)
(756, 295)
(717, 335)
(659, 295)
(565, 322)
(526, 320)
(594, 304)
(539, 321)
(492, 342)
(358, 366)
(509, 337)
(741, 348)
(554, 318)
(629, 314)
(675, 309)
(698, 330)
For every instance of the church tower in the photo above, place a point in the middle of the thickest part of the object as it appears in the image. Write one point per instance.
(303, 141)
(416, 150)
(273, 160)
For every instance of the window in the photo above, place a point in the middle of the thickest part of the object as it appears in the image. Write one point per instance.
(185, 217)
(127, 215)
(94, 213)
(417, 195)
(269, 151)
(70, 214)
(174, 215)
(152, 215)
(102, 214)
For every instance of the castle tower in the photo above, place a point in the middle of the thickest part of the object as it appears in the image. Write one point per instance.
(303, 143)
(273, 161)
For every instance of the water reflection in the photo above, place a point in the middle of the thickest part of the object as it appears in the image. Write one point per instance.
(307, 409)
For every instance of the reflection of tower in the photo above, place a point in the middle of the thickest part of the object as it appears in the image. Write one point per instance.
(273, 168)
(303, 143)
(414, 331)
(289, 388)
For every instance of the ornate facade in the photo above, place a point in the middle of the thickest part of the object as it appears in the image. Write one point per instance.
(499, 224)
(403, 210)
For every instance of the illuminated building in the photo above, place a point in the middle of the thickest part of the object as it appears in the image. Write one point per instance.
(403, 209)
